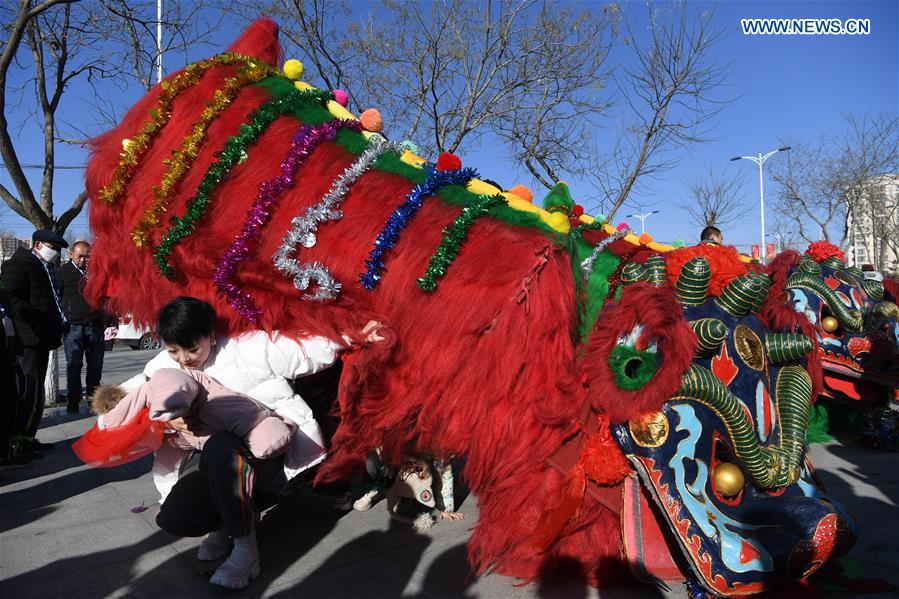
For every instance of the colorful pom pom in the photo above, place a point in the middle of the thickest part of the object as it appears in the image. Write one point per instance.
(645, 238)
(341, 97)
(577, 211)
(522, 192)
(622, 226)
(410, 146)
(822, 250)
(448, 162)
(371, 120)
(293, 69)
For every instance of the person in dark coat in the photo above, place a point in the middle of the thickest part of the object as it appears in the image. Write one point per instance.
(84, 339)
(36, 311)
(10, 347)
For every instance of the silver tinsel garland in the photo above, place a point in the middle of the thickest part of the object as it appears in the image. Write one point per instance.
(587, 264)
(304, 227)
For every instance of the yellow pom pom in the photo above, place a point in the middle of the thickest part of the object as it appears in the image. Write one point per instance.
(293, 69)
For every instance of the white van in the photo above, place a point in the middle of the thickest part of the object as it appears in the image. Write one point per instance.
(136, 337)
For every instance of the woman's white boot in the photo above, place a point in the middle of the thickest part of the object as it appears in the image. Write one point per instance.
(214, 546)
(242, 565)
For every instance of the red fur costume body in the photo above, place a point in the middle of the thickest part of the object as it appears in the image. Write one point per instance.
(485, 367)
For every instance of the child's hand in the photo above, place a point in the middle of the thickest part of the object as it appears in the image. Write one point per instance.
(371, 328)
(451, 516)
(187, 424)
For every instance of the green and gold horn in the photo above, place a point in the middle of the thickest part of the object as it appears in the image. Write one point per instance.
(834, 262)
(692, 284)
(769, 466)
(737, 298)
(888, 309)
(850, 320)
(808, 265)
(764, 286)
(874, 289)
(633, 273)
(855, 270)
(783, 348)
(655, 270)
(711, 332)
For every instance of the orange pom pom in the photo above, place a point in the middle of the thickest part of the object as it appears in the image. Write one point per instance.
(371, 120)
(645, 238)
(522, 192)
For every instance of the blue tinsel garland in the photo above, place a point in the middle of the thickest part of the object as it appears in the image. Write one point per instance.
(400, 217)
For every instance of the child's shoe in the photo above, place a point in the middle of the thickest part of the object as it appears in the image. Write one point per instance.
(364, 503)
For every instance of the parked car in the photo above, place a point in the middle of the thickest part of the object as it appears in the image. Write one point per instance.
(136, 337)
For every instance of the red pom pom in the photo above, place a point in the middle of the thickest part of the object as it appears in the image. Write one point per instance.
(822, 250)
(623, 226)
(578, 210)
(448, 162)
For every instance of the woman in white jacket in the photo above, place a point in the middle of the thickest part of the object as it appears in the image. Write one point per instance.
(217, 492)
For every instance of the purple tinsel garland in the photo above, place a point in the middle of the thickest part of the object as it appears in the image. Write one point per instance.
(304, 143)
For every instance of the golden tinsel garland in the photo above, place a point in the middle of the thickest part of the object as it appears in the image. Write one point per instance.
(134, 149)
(182, 158)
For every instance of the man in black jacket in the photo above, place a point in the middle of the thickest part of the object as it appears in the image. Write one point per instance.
(9, 393)
(85, 336)
(36, 311)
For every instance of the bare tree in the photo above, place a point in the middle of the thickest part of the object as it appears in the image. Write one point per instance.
(715, 200)
(826, 186)
(52, 44)
(668, 92)
(523, 72)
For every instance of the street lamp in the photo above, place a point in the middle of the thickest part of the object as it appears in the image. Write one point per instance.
(643, 216)
(760, 160)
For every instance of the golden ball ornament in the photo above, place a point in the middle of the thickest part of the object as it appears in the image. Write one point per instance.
(728, 480)
(830, 324)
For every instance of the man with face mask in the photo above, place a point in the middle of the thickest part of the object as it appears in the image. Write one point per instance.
(84, 339)
(36, 311)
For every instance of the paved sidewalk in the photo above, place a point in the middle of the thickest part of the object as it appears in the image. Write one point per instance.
(68, 530)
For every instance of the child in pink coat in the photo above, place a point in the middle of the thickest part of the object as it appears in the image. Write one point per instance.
(131, 426)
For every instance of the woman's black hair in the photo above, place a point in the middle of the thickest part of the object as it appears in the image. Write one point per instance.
(184, 321)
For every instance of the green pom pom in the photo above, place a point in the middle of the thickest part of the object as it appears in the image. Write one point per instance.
(633, 368)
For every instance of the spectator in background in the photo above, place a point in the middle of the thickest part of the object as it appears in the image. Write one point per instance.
(9, 393)
(36, 311)
(86, 326)
(711, 235)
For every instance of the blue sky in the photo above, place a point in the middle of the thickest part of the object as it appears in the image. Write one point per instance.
(787, 88)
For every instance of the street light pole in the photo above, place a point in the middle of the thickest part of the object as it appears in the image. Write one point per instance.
(643, 216)
(760, 160)
(158, 41)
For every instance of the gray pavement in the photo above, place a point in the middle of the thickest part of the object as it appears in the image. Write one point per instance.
(69, 530)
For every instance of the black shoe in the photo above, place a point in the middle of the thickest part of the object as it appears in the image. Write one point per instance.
(24, 450)
(14, 462)
(38, 446)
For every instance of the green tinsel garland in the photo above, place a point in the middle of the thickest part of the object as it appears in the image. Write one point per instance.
(233, 153)
(453, 236)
